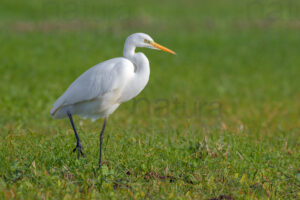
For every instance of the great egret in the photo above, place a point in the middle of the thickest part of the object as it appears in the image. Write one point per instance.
(99, 91)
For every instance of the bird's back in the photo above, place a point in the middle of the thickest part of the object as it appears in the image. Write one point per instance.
(105, 79)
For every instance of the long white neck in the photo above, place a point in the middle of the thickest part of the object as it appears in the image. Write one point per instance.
(142, 69)
(140, 61)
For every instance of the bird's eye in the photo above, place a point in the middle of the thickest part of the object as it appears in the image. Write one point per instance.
(146, 41)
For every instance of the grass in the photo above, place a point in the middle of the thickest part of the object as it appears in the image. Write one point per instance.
(218, 121)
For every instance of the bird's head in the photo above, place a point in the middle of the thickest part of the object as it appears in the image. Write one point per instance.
(144, 40)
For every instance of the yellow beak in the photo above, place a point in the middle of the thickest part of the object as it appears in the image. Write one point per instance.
(158, 46)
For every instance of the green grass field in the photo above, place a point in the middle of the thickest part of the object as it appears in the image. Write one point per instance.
(221, 120)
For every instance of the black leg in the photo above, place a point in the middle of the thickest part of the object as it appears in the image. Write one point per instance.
(101, 140)
(78, 145)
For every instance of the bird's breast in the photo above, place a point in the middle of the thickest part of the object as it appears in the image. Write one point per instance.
(133, 87)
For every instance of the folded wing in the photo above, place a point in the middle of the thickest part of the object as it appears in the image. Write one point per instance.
(95, 82)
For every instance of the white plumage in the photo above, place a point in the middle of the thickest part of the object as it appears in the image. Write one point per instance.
(100, 90)
(97, 92)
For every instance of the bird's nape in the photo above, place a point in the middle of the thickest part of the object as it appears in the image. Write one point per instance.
(144, 41)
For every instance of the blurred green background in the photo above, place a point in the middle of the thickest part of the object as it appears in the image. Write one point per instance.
(219, 120)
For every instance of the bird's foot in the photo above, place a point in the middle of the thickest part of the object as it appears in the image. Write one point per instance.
(102, 163)
(79, 150)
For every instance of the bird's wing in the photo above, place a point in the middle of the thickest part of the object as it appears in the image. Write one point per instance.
(95, 82)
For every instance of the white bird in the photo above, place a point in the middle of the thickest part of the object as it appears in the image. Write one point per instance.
(99, 91)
